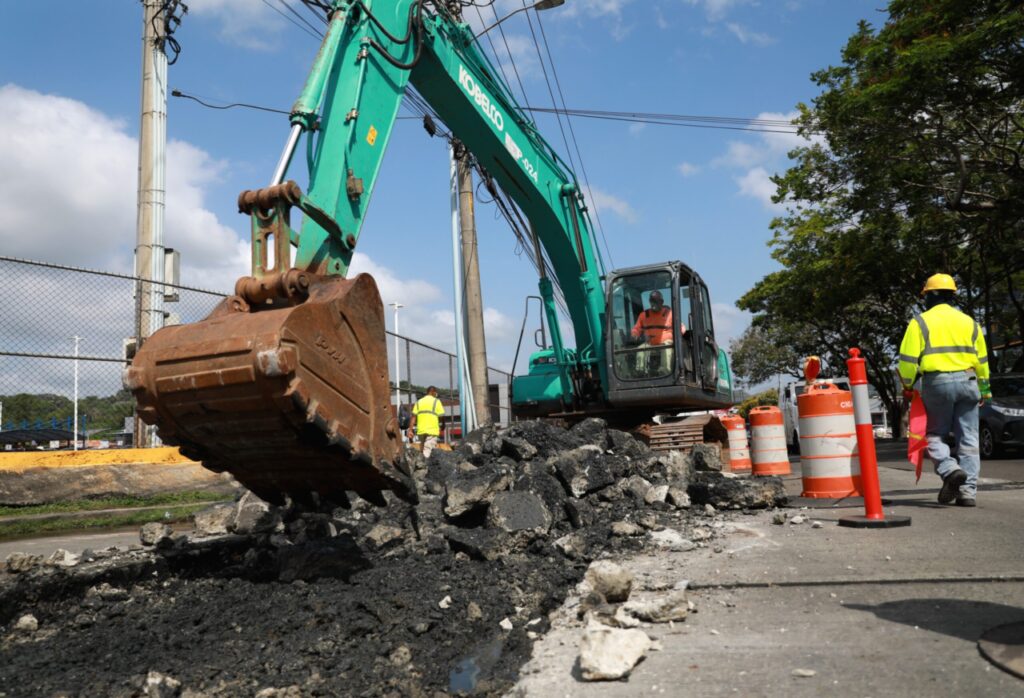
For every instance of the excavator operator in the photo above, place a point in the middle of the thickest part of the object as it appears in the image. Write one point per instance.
(654, 329)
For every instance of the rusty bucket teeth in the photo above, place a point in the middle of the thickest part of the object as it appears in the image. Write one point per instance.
(291, 399)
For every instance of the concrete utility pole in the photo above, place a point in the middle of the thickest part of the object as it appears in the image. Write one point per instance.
(476, 345)
(149, 245)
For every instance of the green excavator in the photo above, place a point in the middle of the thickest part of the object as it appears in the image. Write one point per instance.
(285, 384)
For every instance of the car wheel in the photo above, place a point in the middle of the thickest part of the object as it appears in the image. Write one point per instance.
(796, 444)
(987, 442)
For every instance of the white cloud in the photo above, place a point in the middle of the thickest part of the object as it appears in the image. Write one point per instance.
(730, 322)
(747, 36)
(716, 10)
(608, 202)
(81, 170)
(637, 128)
(687, 169)
(245, 23)
(757, 184)
(740, 154)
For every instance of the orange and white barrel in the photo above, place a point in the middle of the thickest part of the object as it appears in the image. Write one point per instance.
(828, 443)
(739, 449)
(768, 453)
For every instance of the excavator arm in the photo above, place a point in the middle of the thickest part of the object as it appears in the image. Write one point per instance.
(371, 52)
(285, 384)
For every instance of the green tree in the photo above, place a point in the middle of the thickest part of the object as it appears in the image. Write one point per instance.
(916, 167)
(768, 397)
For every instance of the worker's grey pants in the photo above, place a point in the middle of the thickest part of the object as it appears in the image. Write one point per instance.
(951, 400)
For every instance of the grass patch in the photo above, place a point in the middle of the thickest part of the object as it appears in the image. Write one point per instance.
(119, 502)
(19, 529)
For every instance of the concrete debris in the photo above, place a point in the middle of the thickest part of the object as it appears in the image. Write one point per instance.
(662, 609)
(672, 540)
(637, 487)
(383, 535)
(63, 558)
(155, 533)
(253, 515)
(706, 457)
(709, 510)
(700, 534)
(804, 673)
(583, 472)
(286, 692)
(678, 498)
(797, 520)
(27, 624)
(737, 493)
(471, 492)
(508, 519)
(609, 580)
(517, 448)
(779, 518)
(214, 520)
(817, 524)
(657, 493)
(513, 512)
(161, 686)
(626, 529)
(608, 654)
(16, 563)
(571, 545)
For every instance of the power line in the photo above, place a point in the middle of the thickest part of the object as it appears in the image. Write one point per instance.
(315, 35)
(572, 132)
(299, 17)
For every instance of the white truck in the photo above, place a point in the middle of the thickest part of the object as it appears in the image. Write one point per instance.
(791, 420)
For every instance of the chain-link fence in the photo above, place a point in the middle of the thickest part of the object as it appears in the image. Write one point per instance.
(51, 312)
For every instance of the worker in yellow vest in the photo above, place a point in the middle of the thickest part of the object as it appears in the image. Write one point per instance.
(947, 349)
(426, 420)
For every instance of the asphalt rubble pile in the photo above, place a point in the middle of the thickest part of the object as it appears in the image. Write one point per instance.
(438, 599)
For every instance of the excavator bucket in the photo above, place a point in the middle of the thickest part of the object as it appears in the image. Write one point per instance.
(289, 394)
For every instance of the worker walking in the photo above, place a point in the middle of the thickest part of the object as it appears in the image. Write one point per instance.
(426, 420)
(947, 349)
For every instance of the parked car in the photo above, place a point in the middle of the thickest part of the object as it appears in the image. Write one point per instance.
(1001, 421)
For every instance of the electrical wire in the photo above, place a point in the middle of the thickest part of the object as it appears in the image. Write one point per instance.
(315, 35)
(299, 17)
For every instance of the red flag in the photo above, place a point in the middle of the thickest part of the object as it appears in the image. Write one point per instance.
(917, 440)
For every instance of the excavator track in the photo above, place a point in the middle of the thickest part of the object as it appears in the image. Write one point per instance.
(290, 395)
(683, 434)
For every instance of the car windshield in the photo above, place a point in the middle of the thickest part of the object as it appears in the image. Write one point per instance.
(1008, 386)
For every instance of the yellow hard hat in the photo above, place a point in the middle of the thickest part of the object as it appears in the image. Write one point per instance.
(939, 282)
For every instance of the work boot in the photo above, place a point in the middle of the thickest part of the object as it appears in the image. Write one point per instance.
(966, 502)
(951, 486)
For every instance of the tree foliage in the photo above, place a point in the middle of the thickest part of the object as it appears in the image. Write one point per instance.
(98, 414)
(762, 399)
(915, 167)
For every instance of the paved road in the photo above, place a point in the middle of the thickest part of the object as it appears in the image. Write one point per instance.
(859, 613)
(73, 541)
(892, 454)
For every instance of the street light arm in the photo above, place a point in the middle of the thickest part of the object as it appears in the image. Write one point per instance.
(539, 6)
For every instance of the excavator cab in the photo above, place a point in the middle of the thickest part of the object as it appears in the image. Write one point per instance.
(660, 345)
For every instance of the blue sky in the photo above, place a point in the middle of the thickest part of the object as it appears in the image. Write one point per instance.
(69, 101)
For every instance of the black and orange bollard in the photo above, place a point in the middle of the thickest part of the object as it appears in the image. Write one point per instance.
(873, 517)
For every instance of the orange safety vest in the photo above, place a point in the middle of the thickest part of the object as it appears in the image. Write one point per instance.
(656, 325)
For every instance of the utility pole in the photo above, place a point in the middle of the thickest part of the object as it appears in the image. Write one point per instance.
(149, 245)
(476, 345)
